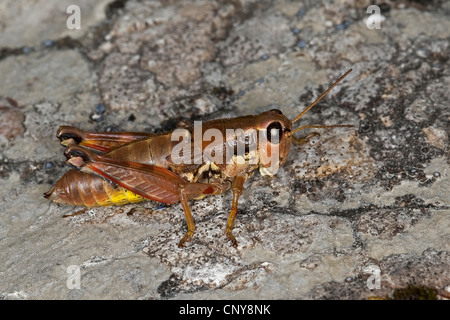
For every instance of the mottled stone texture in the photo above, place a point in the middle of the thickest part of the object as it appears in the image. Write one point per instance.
(348, 205)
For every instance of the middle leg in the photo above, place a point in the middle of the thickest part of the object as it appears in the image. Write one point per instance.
(238, 185)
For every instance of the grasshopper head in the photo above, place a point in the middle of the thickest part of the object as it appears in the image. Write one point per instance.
(279, 134)
(274, 141)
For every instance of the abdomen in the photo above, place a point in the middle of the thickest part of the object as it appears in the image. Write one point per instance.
(83, 189)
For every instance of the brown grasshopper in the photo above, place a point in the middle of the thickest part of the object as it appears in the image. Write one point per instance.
(138, 166)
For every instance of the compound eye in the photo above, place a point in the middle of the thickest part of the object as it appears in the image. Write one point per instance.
(276, 111)
(274, 131)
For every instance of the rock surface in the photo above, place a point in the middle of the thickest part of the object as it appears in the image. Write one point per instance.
(349, 208)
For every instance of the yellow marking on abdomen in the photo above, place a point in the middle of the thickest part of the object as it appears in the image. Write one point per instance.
(133, 197)
(118, 195)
